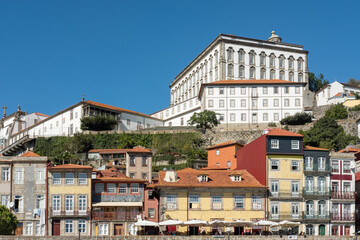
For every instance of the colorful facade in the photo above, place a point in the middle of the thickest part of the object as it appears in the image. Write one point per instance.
(210, 195)
(69, 198)
(223, 155)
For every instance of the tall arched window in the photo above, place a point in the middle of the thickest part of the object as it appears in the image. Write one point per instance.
(216, 55)
(282, 61)
(252, 72)
(272, 60)
(262, 59)
(309, 229)
(321, 185)
(300, 64)
(291, 62)
(272, 74)
(282, 75)
(230, 70)
(241, 72)
(241, 54)
(230, 54)
(300, 77)
(309, 184)
(252, 57)
(291, 76)
(263, 73)
(309, 163)
(309, 208)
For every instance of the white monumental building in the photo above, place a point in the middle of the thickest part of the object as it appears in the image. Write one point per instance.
(68, 122)
(238, 59)
(334, 93)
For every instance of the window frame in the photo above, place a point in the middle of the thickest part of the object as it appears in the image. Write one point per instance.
(274, 144)
(69, 180)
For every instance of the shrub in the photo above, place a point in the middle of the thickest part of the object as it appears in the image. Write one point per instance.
(356, 108)
(337, 111)
(98, 123)
(297, 119)
(272, 124)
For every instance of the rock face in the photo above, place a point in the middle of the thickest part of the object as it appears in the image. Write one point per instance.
(243, 137)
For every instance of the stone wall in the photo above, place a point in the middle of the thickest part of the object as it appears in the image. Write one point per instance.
(243, 137)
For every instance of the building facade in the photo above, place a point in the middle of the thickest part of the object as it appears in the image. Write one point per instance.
(223, 155)
(69, 199)
(335, 92)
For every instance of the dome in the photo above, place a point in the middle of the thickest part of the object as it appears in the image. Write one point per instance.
(274, 37)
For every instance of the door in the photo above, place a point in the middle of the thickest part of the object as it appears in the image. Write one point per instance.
(56, 228)
(322, 230)
(238, 230)
(347, 230)
(118, 229)
(19, 229)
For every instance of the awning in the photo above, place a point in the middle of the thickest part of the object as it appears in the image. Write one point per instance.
(118, 204)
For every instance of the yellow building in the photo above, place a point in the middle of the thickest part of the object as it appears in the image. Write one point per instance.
(69, 198)
(210, 194)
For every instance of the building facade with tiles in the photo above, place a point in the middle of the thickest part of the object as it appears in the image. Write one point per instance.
(209, 195)
(69, 198)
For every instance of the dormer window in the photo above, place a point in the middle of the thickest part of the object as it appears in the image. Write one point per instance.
(236, 178)
(203, 178)
(217, 152)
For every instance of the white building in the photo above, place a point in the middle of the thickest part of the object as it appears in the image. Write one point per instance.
(68, 122)
(237, 59)
(334, 93)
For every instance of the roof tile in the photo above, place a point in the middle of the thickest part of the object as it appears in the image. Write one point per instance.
(282, 132)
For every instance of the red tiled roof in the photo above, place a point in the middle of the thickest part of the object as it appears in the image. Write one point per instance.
(137, 149)
(252, 82)
(71, 166)
(30, 154)
(40, 114)
(349, 150)
(102, 105)
(282, 132)
(217, 178)
(113, 174)
(315, 148)
(214, 167)
(224, 144)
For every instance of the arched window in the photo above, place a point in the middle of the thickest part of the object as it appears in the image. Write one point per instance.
(291, 62)
(230, 70)
(282, 61)
(272, 60)
(309, 184)
(216, 57)
(262, 59)
(300, 77)
(309, 163)
(309, 208)
(282, 75)
(252, 57)
(291, 76)
(263, 73)
(211, 61)
(321, 185)
(272, 74)
(216, 73)
(309, 229)
(241, 72)
(230, 54)
(252, 72)
(300, 64)
(241, 54)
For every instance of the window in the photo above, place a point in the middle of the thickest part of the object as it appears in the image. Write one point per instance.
(295, 210)
(274, 188)
(265, 102)
(321, 162)
(297, 102)
(144, 176)
(291, 76)
(19, 176)
(239, 202)
(171, 201)
(122, 188)
(151, 194)
(99, 188)
(5, 174)
(335, 166)
(297, 89)
(228, 163)
(282, 75)
(40, 175)
(56, 203)
(211, 91)
(295, 165)
(241, 56)
(309, 230)
(232, 91)
(128, 121)
(300, 63)
(221, 91)
(274, 210)
(272, 60)
(291, 63)
(295, 144)
(69, 178)
(309, 163)
(82, 177)
(82, 225)
(300, 78)
(274, 143)
(254, 103)
(132, 161)
(232, 102)
(232, 117)
(221, 103)
(276, 117)
(309, 184)
(82, 204)
(230, 70)
(321, 184)
(263, 73)
(134, 188)
(275, 165)
(217, 152)
(221, 117)
(110, 188)
(243, 117)
(29, 229)
(40, 201)
(286, 89)
(132, 175)
(5, 200)
(69, 203)
(216, 202)
(295, 186)
(265, 117)
(210, 103)
(194, 202)
(151, 213)
(281, 61)
(256, 202)
(243, 90)
(252, 57)
(56, 178)
(39, 229)
(69, 226)
(346, 166)
(103, 229)
(230, 54)
(272, 74)
(276, 102)
(262, 59)
(243, 103)
(265, 90)
(18, 204)
(144, 162)
(276, 90)
(241, 72)
(252, 73)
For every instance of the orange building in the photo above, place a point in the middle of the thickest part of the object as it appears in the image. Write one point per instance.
(223, 155)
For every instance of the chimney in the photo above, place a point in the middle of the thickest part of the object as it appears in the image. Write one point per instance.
(4, 115)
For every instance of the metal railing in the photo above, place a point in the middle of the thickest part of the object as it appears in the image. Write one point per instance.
(343, 195)
(316, 168)
(283, 216)
(315, 191)
(67, 213)
(343, 217)
(285, 194)
(123, 216)
(313, 215)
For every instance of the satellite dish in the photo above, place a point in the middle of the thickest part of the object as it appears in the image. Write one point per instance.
(352, 165)
(11, 204)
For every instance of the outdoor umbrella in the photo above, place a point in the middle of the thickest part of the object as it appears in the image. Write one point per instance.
(242, 223)
(288, 224)
(170, 223)
(265, 223)
(144, 223)
(195, 222)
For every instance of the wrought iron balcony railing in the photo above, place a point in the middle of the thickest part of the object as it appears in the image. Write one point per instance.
(315, 191)
(343, 195)
(313, 215)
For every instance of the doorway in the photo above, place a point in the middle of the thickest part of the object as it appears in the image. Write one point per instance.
(118, 229)
(322, 230)
(56, 228)
(238, 230)
(193, 230)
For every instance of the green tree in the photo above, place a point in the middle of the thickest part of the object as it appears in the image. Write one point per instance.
(337, 111)
(353, 82)
(327, 133)
(317, 82)
(98, 123)
(8, 221)
(296, 119)
(356, 108)
(204, 120)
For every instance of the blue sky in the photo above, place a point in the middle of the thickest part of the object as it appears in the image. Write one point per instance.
(125, 53)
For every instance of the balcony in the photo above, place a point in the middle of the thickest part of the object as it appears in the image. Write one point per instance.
(350, 195)
(64, 213)
(316, 192)
(120, 216)
(285, 194)
(283, 216)
(343, 217)
(312, 215)
(316, 169)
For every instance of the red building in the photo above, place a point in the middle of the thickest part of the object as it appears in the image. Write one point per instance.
(223, 155)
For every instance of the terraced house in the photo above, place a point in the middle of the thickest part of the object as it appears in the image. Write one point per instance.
(209, 194)
(276, 160)
(316, 191)
(69, 200)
